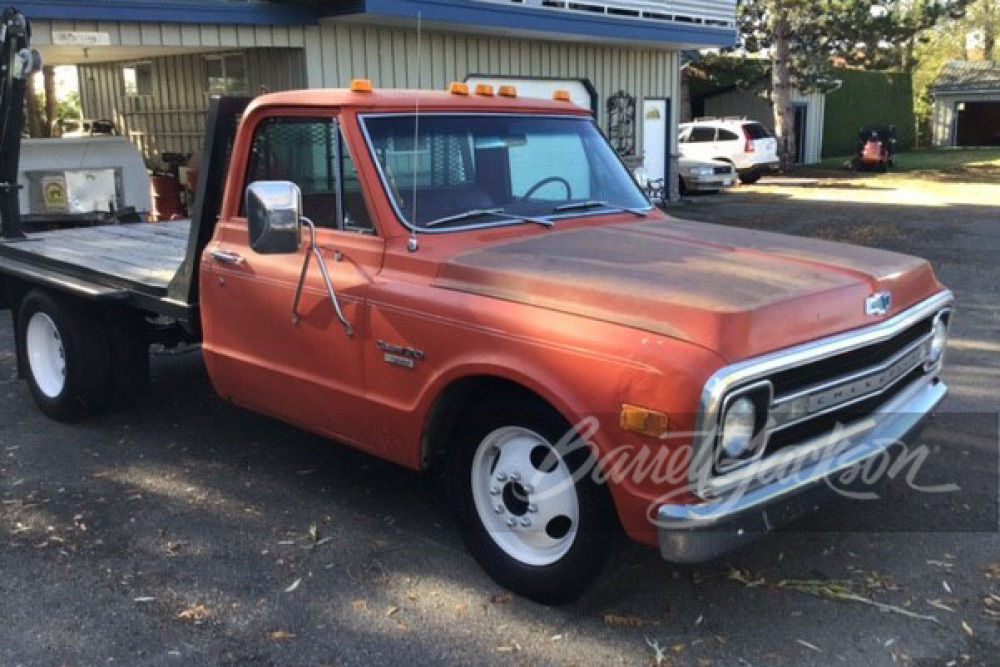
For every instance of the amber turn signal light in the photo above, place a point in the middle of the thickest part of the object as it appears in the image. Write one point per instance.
(362, 86)
(561, 96)
(644, 421)
(458, 88)
(485, 90)
(508, 91)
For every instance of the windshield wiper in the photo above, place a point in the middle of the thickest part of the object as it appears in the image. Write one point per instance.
(583, 205)
(480, 212)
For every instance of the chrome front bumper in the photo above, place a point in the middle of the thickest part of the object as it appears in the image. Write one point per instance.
(699, 533)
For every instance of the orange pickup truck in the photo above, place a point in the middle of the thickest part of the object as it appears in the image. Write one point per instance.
(481, 287)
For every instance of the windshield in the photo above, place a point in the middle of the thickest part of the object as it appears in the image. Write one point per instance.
(476, 170)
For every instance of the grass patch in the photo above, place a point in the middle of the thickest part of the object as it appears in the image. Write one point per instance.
(943, 160)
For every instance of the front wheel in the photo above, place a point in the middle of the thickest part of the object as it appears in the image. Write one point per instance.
(528, 511)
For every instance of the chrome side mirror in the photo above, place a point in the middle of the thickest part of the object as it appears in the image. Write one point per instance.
(274, 217)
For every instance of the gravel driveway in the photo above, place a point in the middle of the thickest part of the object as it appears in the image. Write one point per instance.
(189, 532)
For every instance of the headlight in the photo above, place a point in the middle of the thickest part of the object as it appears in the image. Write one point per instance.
(738, 428)
(939, 339)
(741, 428)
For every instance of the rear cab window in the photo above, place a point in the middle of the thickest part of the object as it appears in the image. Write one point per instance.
(305, 151)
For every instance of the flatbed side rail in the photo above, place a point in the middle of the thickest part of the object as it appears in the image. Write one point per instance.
(224, 117)
(34, 274)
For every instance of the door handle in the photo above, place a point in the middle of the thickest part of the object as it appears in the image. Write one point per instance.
(227, 257)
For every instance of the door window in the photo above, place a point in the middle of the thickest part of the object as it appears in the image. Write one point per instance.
(702, 135)
(726, 135)
(305, 152)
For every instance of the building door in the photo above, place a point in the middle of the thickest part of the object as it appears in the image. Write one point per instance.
(801, 125)
(978, 124)
(656, 139)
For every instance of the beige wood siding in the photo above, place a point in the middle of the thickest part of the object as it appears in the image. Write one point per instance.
(172, 119)
(175, 34)
(336, 52)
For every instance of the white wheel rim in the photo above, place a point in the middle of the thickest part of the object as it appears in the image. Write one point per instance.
(531, 511)
(46, 356)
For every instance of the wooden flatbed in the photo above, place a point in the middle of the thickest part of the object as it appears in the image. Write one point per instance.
(144, 256)
(128, 262)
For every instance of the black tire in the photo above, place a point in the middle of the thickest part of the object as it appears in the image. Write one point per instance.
(128, 345)
(87, 387)
(750, 177)
(598, 534)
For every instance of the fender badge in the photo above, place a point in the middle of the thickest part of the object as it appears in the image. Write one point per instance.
(400, 356)
(878, 304)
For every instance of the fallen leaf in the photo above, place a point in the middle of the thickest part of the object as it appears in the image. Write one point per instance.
(993, 571)
(621, 621)
(391, 611)
(968, 629)
(196, 613)
(145, 599)
(940, 605)
(360, 605)
(295, 584)
(946, 586)
(811, 647)
(280, 636)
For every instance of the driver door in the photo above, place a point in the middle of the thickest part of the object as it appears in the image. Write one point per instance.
(307, 371)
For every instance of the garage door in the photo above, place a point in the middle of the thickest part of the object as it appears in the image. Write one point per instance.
(579, 92)
(979, 124)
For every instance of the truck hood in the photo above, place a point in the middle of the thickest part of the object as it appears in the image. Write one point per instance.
(738, 292)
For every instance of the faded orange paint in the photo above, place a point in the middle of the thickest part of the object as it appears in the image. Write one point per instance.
(599, 312)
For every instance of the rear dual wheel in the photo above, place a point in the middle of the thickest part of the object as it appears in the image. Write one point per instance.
(528, 511)
(79, 361)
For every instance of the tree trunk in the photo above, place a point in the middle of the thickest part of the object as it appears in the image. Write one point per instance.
(51, 103)
(781, 84)
(36, 124)
(989, 30)
(686, 110)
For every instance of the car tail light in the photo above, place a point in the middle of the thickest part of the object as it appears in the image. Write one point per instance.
(750, 147)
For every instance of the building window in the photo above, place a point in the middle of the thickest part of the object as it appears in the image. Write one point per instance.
(138, 79)
(226, 74)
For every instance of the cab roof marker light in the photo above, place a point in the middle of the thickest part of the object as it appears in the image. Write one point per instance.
(362, 86)
(484, 90)
(561, 96)
(508, 91)
(458, 88)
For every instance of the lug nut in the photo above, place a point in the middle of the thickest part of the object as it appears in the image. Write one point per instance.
(495, 491)
(514, 476)
(498, 509)
(502, 477)
(525, 522)
(511, 522)
(532, 508)
(528, 488)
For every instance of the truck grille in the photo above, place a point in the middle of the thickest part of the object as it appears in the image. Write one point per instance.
(810, 391)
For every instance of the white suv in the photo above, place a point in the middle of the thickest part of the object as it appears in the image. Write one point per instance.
(746, 144)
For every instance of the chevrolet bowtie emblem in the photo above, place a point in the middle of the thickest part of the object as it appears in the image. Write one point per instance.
(878, 304)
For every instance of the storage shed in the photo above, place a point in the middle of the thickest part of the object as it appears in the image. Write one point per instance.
(967, 105)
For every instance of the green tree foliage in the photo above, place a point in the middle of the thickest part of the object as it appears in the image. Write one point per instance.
(805, 38)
